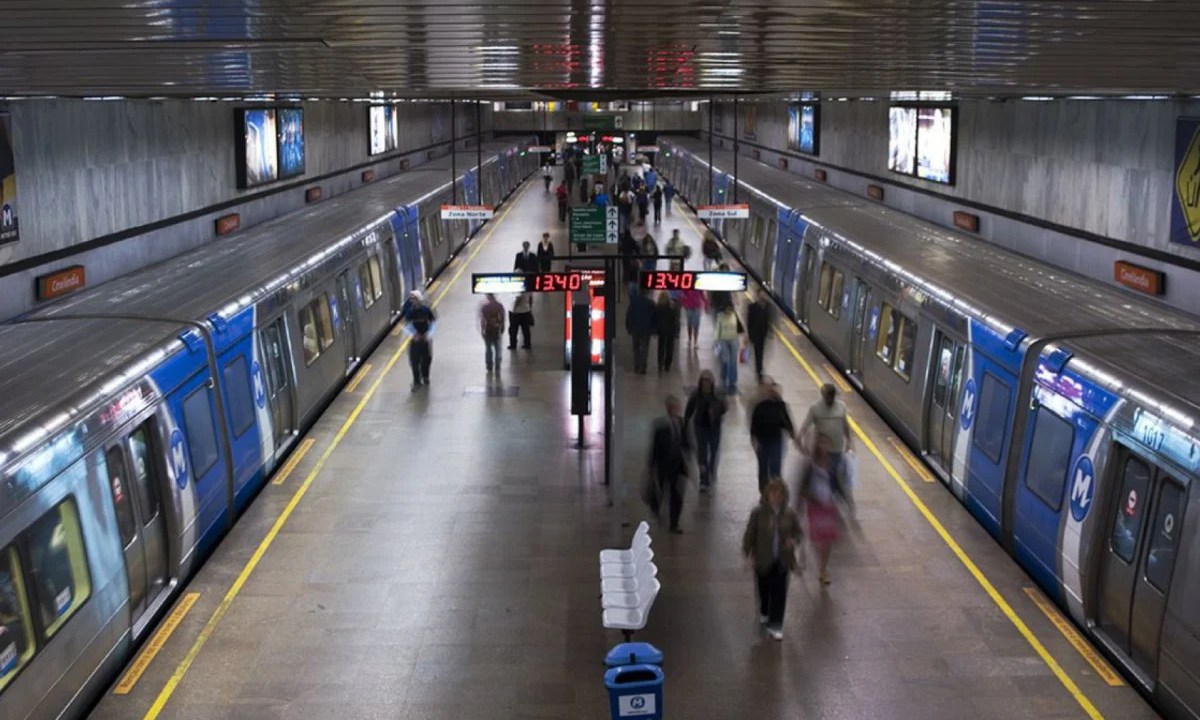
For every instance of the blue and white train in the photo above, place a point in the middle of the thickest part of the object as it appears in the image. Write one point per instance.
(1061, 411)
(138, 419)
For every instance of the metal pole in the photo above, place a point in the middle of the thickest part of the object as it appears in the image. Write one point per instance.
(479, 146)
(711, 104)
(610, 312)
(453, 165)
(735, 148)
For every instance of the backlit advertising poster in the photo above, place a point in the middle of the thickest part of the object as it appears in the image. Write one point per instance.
(802, 128)
(393, 127)
(291, 142)
(902, 139)
(935, 134)
(9, 227)
(379, 127)
(1185, 198)
(260, 147)
(750, 123)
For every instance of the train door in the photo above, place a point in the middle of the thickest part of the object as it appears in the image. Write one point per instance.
(807, 262)
(942, 414)
(346, 296)
(858, 327)
(135, 481)
(1138, 558)
(276, 368)
(767, 251)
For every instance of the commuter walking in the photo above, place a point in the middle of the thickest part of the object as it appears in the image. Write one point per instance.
(649, 247)
(547, 175)
(769, 422)
(491, 327)
(629, 247)
(722, 299)
(818, 487)
(545, 251)
(705, 413)
(669, 448)
(624, 206)
(639, 323)
(564, 200)
(666, 327)
(525, 261)
(728, 329)
(677, 250)
(651, 178)
(828, 417)
(583, 190)
(759, 318)
(420, 320)
(656, 199)
(711, 250)
(642, 197)
(521, 318)
(770, 542)
(668, 195)
(694, 303)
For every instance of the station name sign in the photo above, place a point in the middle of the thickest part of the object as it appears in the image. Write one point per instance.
(720, 212)
(1142, 279)
(57, 284)
(692, 280)
(467, 212)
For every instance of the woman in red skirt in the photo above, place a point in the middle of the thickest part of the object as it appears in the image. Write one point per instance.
(817, 488)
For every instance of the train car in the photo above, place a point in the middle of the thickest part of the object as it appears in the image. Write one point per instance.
(979, 358)
(138, 418)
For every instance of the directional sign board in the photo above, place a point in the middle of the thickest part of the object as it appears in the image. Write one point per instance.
(647, 148)
(540, 148)
(595, 164)
(693, 279)
(594, 225)
(467, 212)
(717, 212)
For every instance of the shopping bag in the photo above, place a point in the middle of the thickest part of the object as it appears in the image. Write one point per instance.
(744, 356)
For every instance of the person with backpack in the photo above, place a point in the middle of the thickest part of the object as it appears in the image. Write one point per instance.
(711, 250)
(421, 322)
(491, 327)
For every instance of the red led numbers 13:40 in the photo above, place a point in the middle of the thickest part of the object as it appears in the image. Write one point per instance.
(668, 280)
(557, 281)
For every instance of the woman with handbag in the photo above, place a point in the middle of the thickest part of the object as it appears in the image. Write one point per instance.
(770, 541)
(817, 488)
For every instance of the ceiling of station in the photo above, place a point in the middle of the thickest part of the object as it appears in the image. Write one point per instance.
(505, 48)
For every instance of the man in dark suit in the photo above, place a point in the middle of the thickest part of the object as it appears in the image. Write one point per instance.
(525, 260)
(669, 449)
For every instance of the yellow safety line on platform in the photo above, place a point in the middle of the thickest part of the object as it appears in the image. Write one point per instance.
(297, 455)
(358, 377)
(940, 529)
(1081, 645)
(161, 636)
(911, 460)
(837, 378)
(169, 689)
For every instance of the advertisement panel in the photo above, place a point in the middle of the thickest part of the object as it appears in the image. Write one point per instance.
(291, 142)
(803, 127)
(259, 149)
(10, 228)
(902, 139)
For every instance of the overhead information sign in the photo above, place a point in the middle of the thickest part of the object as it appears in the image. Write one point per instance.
(594, 225)
(540, 148)
(595, 164)
(498, 283)
(718, 212)
(647, 148)
(501, 283)
(467, 212)
(693, 280)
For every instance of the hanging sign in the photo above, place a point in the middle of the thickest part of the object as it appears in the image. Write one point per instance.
(467, 212)
(717, 212)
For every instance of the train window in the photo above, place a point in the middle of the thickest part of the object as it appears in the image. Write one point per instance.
(756, 229)
(202, 436)
(885, 341)
(904, 353)
(1135, 481)
(992, 417)
(941, 381)
(324, 321)
(771, 231)
(58, 566)
(376, 276)
(829, 295)
(316, 328)
(1049, 457)
(16, 622)
(237, 390)
(118, 481)
(1168, 515)
(364, 284)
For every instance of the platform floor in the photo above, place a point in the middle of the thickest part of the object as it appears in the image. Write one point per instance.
(433, 557)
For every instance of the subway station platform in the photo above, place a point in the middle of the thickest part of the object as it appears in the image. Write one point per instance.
(432, 555)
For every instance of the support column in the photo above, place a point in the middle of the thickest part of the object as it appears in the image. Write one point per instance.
(712, 102)
(735, 149)
(453, 158)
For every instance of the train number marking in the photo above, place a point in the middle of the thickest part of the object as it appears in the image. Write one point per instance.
(1083, 487)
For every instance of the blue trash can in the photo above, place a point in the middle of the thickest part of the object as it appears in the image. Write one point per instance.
(636, 653)
(635, 692)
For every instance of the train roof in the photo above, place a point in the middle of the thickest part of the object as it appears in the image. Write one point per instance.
(991, 283)
(52, 373)
(230, 274)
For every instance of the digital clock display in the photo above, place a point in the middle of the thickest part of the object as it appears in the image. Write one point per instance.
(692, 280)
(510, 283)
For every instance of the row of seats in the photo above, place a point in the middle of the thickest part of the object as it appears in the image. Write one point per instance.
(629, 583)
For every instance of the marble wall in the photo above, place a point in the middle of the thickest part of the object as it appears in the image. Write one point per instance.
(1100, 167)
(90, 169)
